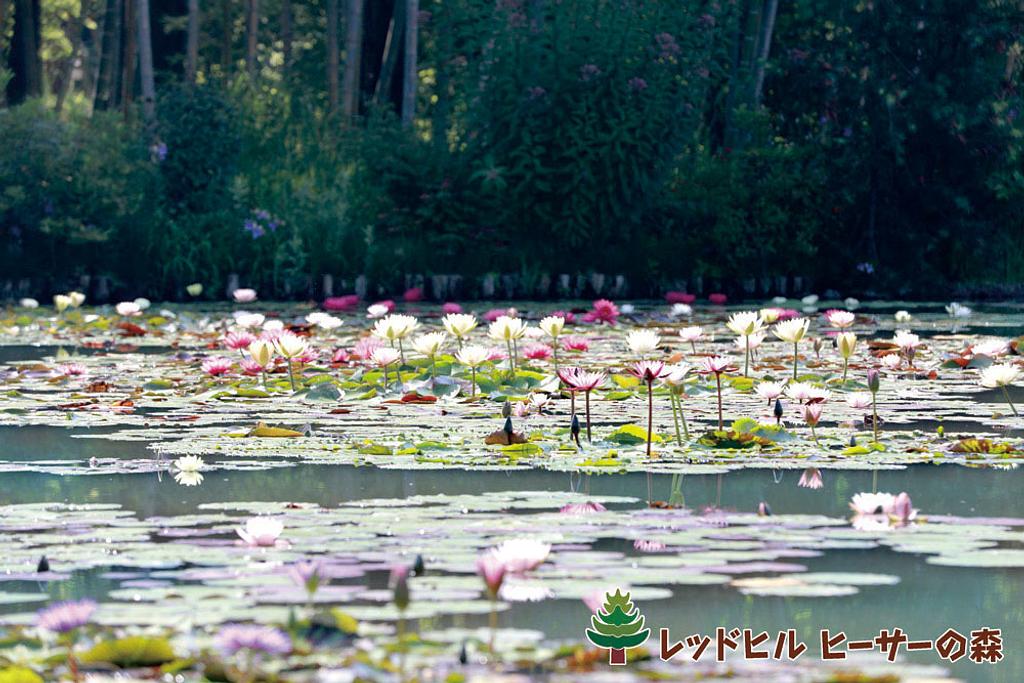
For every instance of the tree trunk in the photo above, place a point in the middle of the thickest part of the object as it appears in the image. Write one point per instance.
(146, 61)
(353, 56)
(128, 80)
(392, 49)
(252, 27)
(24, 59)
(62, 84)
(332, 56)
(192, 41)
(286, 33)
(409, 77)
(771, 8)
(227, 29)
(108, 84)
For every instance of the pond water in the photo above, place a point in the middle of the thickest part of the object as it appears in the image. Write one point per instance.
(61, 444)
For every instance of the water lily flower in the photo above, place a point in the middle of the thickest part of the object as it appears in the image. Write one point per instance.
(430, 345)
(244, 295)
(812, 415)
(395, 327)
(383, 357)
(770, 391)
(261, 532)
(847, 342)
(811, 479)
(77, 299)
(537, 352)
(307, 574)
(718, 298)
(840, 319)
(341, 303)
(189, 470)
(891, 361)
(715, 365)
(903, 316)
(412, 295)
(28, 303)
(248, 320)
(142, 303)
(958, 310)
(324, 321)
(647, 372)
(991, 348)
(398, 582)
(792, 331)
(520, 555)
(194, 289)
(63, 617)
(552, 326)
(859, 400)
(509, 330)
(903, 508)
(492, 570)
(643, 342)
(874, 384)
(73, 369)
(575, 343)
(261, 352)
(872, 503)
(376, 311)
(450, 307)
(908, 344)
(253, 639)
(290, 346)
(236, 341)
(1001, 376)
(681, 310)
(769, 315)
(603, 311)
(577, 379)
(587, 508)
(365, 347)
(128, 309)
(459, 325)
(691, 334)
(472, 356)
(217, 366)
(746, 324)
(851, 303)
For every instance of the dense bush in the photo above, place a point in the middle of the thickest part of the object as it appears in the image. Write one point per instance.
(884, 151)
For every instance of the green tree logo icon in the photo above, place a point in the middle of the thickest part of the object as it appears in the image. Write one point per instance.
(618, 626)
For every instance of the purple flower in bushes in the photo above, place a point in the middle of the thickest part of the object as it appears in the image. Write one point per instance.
(667, 45)
(637, 84)
(589, 72)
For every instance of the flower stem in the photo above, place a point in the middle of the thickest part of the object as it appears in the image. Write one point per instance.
(796, 356)
(874, 415)
(675, 418)
(472, 388)
(746, 357)
(586, 399)
(1006, 393)
(494, 625)
(650, 415)
(846, 366)
(291, 375)
(721, 423)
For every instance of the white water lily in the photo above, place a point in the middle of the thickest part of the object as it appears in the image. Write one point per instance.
(907, 341)
(691, 334)
(847, 342)
(290, 345)
(770, 390)
(244, 295)
(261, 531)
(127, 308)
(520, 555)
(506, 329)
(891, 361)
(77, 299)
(858, 400)
(143, 303)
(189, 463)
(675, 375)
(324, 321)
(872, 503)
(261, 351)
(744, 323)
(395, 326)
(552, 325)
(61, 302)
(840, 319)
(1002, 375)
(681, 310)
(903, 316)
(992, 348)
(751, 342)
(791, 331)
(28, 303)
(642, 342)
(194, 289)
(459, 325)
(376, 311)
(958, 310)
(244, 319)
(809, 300)
(472, 356)
(851, 303)
(429, 344)
(769, 315)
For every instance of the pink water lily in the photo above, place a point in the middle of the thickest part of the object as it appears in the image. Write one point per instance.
(262, 532)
